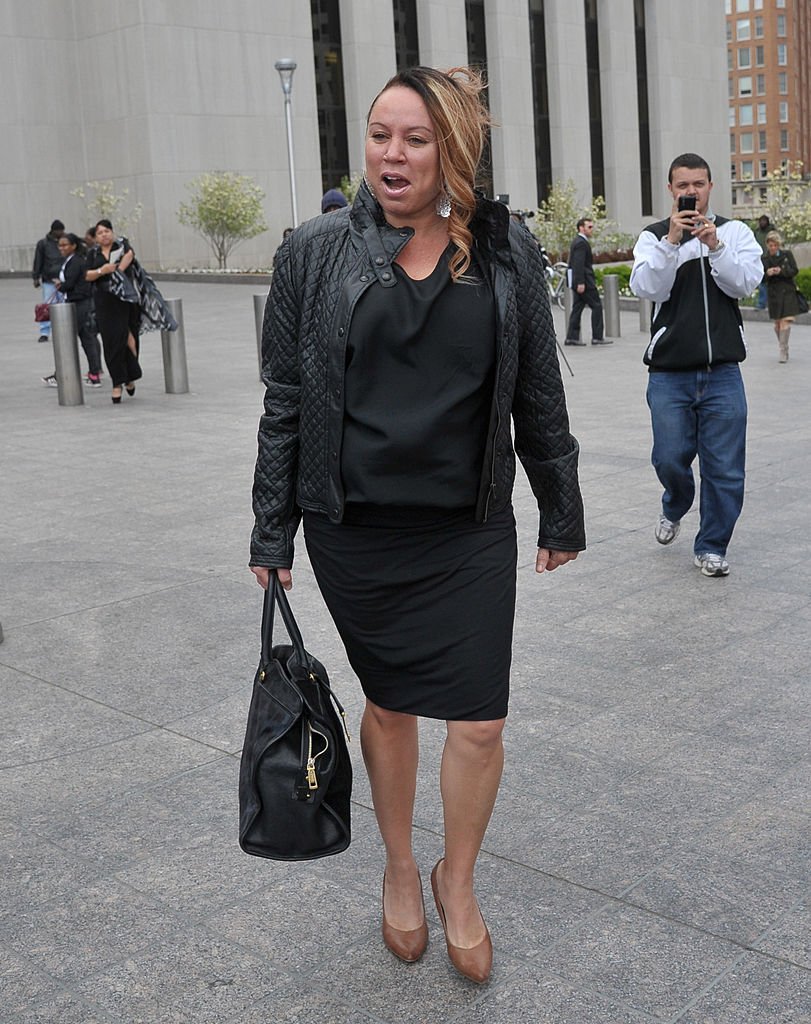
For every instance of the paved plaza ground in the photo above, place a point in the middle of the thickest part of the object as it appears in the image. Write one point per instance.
(649, 857)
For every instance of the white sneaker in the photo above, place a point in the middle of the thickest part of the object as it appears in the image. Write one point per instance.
(711, 564)
(50, 381)
(666, 531)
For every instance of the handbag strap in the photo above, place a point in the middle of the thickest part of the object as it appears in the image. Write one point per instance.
(275, 595)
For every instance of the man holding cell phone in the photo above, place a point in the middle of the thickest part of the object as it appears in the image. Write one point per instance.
(695, 266)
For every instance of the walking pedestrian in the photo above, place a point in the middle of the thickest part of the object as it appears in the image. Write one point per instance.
(694, 266)
(780, 269)
(400, 338)
(45, 271)
(76, 289)
(584, 285)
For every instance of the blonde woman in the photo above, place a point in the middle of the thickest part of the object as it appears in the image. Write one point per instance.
(401, 337)
(780, 269)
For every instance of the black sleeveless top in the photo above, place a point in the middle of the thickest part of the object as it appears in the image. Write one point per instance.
(420, 366)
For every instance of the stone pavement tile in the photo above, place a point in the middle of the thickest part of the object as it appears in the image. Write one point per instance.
(716, 893)
(757, 990)
(544, 998)
(789, 790)
(652, 964)
(35, 713)
(764, 837)
(38, 589)
(525, 910)
(35, 871)
(270, 921)
(63, 1008)
(182, 976)
(790, 938)
(295, 1001)
(553, 774)
(220, 725)
(158, 656)
(51, 795)
(588, 847)
(74, 936)
(21, 982)
(390, 991)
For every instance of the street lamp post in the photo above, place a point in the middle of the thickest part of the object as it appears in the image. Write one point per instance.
(286, 67)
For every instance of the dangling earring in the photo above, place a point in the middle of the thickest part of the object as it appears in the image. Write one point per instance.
(368, 186)
(443, 203)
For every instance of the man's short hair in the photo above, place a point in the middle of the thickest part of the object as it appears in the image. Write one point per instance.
(692, 161)
(584, 220)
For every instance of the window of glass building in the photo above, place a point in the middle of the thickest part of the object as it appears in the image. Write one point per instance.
(329, 91)
(744, 57)
(763, 168)
(782, 54)
(743, 29)
(406, 40)
(540, 99)
(477, 57)
(761, 142)
(760, 81)
(745, 114)
(595, 98)
(758, 26)
(783, 108)
(732, 142)
(760, 56)
(746, 170)
(783, 139)
(761, 113)
(642, 109)
(782, 83)
(781, 25)
(742, 6)
(731, 117)
(745, 85)
(746, 142)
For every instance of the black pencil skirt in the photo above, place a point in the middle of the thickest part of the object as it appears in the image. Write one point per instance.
(424, 603)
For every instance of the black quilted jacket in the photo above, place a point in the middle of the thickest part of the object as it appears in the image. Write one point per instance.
(320, 272)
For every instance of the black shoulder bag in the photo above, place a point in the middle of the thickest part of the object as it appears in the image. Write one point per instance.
(295, 778)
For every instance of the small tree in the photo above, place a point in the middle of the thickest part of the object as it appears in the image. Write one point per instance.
(555, 221)
(785, 202)
(226, 209)
(350, 185)
(102, 201)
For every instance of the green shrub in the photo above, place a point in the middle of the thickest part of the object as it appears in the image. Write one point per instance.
(803, 282)
(623, 272)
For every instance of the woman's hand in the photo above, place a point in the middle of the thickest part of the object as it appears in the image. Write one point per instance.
(548, 561)
(263, 576)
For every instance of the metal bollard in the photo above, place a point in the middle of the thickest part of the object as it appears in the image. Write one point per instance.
(611, 302)
(645, 311)
(259, 317)
(173, 345)
(568, 299)
(66, 353)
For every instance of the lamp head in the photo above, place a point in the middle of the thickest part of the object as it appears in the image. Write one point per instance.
(286, 67)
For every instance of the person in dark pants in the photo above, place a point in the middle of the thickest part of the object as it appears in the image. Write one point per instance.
(403, 338)
(45, 272)
(695, 265)
(76, 289)
(584, 286)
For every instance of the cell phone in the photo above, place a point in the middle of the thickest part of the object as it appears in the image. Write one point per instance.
(686, 203)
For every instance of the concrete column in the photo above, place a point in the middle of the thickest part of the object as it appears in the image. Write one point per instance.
(693, 117)
(510, 77)
(369, 61)
(442, 30)
(173, 347)
(620, 118)
(66, 353)
(568, 94)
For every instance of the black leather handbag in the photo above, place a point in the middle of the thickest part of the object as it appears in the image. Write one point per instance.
(295, 779)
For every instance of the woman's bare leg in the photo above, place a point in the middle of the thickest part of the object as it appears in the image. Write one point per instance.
(472, 763)
(390, 745)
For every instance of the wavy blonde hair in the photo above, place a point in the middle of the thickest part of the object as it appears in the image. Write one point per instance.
(462, 121)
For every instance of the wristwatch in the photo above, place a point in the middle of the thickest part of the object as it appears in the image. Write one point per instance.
(721, 245)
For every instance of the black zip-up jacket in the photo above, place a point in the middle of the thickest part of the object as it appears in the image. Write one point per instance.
(47, 259)
(696, 321)
(75, 288)
(320, 273)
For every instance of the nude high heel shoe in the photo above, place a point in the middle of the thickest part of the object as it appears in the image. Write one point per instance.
(407, 945)
(476, 963)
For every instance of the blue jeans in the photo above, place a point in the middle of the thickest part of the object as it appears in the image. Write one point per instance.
(703, 413)
(48, 290)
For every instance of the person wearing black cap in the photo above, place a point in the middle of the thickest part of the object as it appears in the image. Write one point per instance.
(333, 200)
(47, 264)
